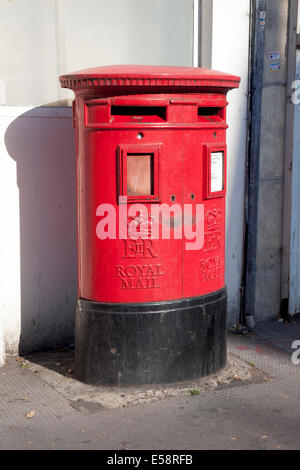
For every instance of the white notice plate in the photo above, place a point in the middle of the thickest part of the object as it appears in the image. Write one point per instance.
(216, 172)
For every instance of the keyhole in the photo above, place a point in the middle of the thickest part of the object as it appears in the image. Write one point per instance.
(173, 198)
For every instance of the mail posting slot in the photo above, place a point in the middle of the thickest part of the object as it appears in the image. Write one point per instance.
(151, 175)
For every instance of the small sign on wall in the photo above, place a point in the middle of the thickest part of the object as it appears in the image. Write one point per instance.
(262, 18)
(274, 55)
(275, 58)
(274, 66)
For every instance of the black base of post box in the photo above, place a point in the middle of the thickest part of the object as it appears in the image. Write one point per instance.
(146, 343)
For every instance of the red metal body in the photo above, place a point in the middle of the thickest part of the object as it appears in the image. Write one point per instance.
(176, 118)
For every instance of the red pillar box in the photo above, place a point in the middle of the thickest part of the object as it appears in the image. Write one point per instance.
(151, 160)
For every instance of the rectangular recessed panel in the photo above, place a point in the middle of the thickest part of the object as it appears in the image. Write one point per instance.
(210, 114)
(216, 172)
(140, 174)
(139, 111)
(206, 111)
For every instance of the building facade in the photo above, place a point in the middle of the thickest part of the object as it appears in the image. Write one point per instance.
(256, 40)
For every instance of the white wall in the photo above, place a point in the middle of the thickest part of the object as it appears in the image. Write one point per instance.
(37, 157)
(2, 347)
(9, 241)
(230, 54)
(38, 226)
(39, 41)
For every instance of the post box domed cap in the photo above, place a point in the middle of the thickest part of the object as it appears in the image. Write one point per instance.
(149, 76)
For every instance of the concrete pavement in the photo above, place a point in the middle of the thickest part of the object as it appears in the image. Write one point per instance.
(260, 412)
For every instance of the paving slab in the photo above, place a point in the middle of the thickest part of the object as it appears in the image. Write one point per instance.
(257, 410)
(57, 369)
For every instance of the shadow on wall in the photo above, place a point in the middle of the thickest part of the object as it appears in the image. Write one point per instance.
(42, 142)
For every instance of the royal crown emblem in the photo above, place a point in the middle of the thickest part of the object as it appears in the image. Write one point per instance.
(214, 219)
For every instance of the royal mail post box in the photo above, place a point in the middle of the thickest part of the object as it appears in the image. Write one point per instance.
(151, 177)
